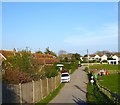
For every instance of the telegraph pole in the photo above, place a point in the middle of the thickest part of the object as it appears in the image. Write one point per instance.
(88, 58)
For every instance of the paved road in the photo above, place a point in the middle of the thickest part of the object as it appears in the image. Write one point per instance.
(75, 91)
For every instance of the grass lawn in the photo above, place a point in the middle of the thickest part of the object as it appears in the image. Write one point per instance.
(111, 82)
(105, 66)
(95, 97)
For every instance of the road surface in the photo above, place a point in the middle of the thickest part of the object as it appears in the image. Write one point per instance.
(75, 91)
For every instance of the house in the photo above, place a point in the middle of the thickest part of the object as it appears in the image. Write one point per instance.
(91, 57)
(97, 57)
(94, 57)
(81, 58)
(115, 57)
(6, 53)
(113, 60)
(45, 58)
(68, 56)
(103, 57)
(1, 59)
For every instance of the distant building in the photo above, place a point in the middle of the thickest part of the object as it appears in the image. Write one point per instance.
(113, 60)
(103, 57)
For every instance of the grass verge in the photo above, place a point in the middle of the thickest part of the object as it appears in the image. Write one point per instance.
(110, 82)
(95, 97)
(46, 100)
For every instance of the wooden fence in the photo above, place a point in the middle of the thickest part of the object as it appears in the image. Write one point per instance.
(113, 96)
(31, 92)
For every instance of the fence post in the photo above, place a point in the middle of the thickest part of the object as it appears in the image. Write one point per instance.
(59, 79)
(55, 82)
(33, 91)
(52, 84)
(41, 89)
(47, 87)
(20, 93)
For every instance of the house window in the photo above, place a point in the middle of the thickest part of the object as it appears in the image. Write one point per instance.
(111, 62)
(114, 62)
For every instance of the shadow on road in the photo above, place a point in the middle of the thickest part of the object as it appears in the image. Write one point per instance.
(80, 89)
(85, 83)
(79, 101)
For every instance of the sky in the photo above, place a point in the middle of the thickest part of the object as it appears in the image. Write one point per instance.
(70, 26)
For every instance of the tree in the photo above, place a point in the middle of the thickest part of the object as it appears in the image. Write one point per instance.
(77, 56)
(66, 59)
(39, 52)
(47, 51)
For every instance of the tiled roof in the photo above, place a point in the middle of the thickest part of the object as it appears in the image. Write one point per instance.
(92, 55)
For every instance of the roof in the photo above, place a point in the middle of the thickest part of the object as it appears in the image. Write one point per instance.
(2, 57)
(6, 53)
(92, 55)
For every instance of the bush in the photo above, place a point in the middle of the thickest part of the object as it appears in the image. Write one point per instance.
(104, 61)
(86, 69)
(15, 76)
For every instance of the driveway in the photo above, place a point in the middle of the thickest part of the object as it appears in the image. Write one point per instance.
(75, 91)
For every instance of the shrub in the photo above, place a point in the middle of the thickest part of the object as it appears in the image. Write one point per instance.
(15, 76)
(104, 61)
(86, 69)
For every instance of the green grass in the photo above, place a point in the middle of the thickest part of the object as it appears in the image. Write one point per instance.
(95, 97)
(46, 100)
(110, 82)
(105, 66)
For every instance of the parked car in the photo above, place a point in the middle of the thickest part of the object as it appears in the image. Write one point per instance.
(65, 77)
(79, 65)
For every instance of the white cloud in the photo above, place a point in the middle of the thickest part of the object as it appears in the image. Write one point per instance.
(106, 35)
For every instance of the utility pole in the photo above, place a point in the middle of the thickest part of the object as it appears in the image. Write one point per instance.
(88, 59)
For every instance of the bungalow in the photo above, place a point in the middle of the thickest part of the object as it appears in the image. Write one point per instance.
(97, 57)
(91, 57)
(103, 57)
(113, 60)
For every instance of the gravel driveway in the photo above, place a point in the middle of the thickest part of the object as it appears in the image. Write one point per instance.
(75, 91)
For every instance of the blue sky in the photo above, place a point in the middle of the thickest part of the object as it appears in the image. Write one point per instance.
(73, 27)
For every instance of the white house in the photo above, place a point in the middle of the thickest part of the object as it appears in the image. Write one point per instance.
(114, 60)
(81, 58)
(103, 57)
(115, 57)
(97, 57)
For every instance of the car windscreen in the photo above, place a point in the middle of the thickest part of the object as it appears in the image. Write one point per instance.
(64, 75)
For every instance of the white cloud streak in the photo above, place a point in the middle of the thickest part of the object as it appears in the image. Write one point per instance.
(107, 35)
